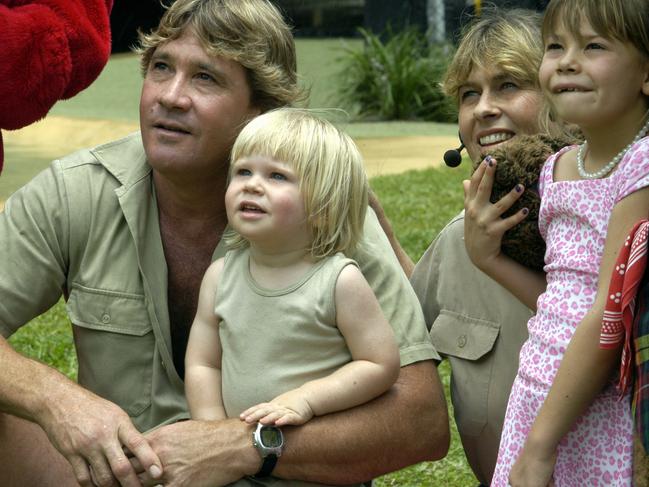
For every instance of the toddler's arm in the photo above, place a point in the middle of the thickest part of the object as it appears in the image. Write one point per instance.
(203, 358)
(585, 368)
(373, 370)
(483, 232)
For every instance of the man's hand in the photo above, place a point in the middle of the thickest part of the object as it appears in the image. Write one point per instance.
(202, 453)
(92, 434)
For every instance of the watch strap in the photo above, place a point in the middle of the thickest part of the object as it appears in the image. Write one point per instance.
(267, 466)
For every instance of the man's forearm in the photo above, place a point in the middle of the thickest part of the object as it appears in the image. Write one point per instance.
(408, 424)
(23, 388)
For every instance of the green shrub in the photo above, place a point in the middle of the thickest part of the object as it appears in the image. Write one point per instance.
(395, 80)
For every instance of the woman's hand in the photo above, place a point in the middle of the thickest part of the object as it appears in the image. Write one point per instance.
(533, 469)
(484, 226)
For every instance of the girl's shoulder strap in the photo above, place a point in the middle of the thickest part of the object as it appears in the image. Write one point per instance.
(547, 171)
(632, 173)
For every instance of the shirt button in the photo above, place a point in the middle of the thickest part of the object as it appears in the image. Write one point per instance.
(105, 318)
(461, 341)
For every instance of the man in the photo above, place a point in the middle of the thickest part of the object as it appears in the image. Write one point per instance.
(125, 231)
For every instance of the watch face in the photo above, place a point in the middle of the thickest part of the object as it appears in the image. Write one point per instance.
(271, 437)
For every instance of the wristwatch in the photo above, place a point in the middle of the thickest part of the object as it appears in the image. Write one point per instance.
(269, 442)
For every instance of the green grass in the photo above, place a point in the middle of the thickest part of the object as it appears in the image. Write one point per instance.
(114, 95)
(420, 203)
(48, 339)
(19, 167)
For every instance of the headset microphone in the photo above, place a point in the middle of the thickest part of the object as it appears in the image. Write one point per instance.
(452, 157)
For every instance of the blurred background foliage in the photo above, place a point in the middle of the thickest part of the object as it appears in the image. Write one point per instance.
(395, 79)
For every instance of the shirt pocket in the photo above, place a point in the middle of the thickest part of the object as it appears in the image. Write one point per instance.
(462, 336)
(467, 342)
(115, 345)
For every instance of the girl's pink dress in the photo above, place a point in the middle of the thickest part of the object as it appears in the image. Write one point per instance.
(573, 220)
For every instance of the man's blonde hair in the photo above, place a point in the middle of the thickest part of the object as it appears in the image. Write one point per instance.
(250, 32)
(329, 168)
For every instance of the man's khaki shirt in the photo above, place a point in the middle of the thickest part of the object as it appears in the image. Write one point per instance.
(87, 228)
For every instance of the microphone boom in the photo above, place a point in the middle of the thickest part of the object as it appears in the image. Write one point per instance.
(452, 157)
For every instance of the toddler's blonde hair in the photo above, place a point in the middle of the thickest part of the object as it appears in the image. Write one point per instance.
(329, 168)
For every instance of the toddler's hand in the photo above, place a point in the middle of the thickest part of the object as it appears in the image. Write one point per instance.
(289, 408)
(483, 225)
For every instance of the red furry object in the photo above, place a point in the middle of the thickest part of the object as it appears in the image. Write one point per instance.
(49, 50)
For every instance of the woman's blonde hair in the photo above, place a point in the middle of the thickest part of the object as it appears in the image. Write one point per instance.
(329, 168)
(250, 32)
(509, 40)
(624, 20)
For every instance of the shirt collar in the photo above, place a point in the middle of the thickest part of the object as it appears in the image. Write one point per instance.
(124, 159)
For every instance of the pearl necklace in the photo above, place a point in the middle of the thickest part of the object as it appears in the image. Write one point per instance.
(614, 162)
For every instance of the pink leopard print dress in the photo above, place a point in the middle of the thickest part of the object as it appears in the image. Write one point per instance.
(573, 220)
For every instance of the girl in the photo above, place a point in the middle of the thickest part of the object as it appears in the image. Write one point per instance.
(564, 424)
(287, 327)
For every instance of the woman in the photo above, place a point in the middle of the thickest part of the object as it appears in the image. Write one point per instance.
(474, 322)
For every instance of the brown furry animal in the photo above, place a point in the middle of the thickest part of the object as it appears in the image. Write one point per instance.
(520, 162)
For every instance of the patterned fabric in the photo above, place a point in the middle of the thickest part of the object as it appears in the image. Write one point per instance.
(573, 220)
(620, 305)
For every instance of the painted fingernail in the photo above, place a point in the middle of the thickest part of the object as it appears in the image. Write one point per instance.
(519, 188)
(490, 160)
(525, 211)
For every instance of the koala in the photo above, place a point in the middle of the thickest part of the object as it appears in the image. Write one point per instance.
(520, 161)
